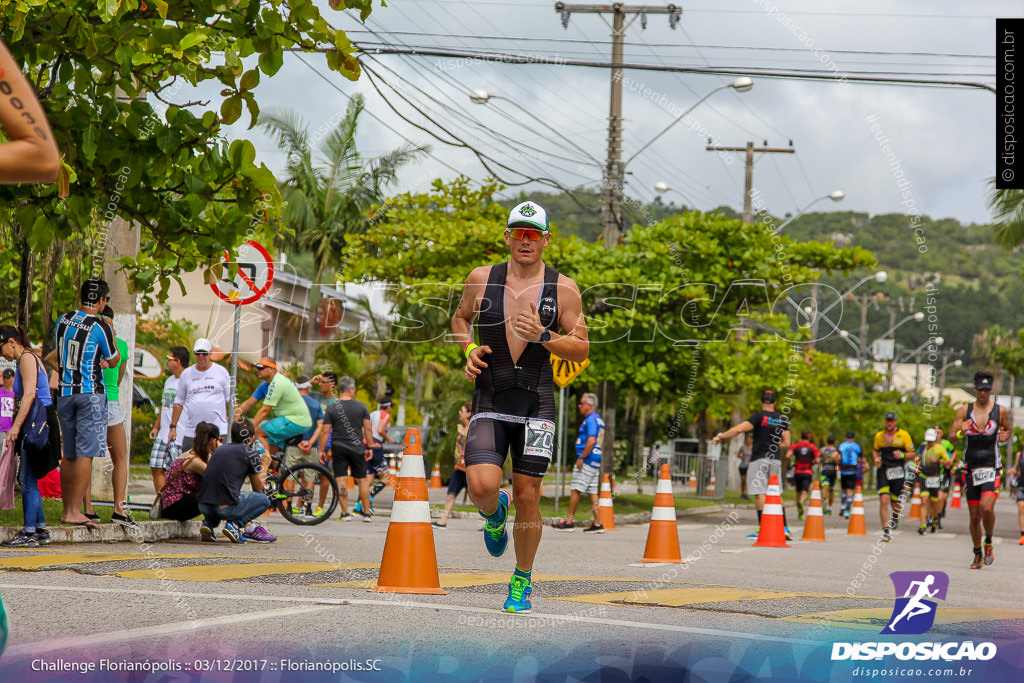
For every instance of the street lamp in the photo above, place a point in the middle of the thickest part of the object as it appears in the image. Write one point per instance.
(880, 277)
(916, 354)
(942, 373)
(481, 96)
(741, 84)
(835, 195)
(662, 188)
(916, 317)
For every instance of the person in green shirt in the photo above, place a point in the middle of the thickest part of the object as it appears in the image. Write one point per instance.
(934, 461)
(278, 393)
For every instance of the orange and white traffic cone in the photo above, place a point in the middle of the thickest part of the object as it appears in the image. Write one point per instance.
(604, 504)
(435, 476)
(814, 527)
(915, 504)
(773, 525)
(409, 564)
(856, 527)
(693, 479)
(955, 503)
(351, 483)
(710, 490)
(392, 472)
(662, 534)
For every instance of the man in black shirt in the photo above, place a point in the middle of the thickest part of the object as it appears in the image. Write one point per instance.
(771, 440)
(351, 437)
(220, 494)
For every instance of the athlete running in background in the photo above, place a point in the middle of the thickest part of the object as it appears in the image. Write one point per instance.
(803, 455)
(850, 455)
(29, 156)
(518, 307)
(829, 460)
(982, 425)
(934, 461)
(892, 450)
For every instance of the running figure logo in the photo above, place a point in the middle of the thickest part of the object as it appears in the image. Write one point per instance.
(914, 613)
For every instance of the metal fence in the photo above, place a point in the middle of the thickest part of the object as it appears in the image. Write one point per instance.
(696, 474)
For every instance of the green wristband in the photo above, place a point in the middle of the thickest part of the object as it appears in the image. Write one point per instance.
(469, 349)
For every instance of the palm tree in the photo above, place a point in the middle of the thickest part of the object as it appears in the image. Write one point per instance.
(1008, 207)
(329, 197)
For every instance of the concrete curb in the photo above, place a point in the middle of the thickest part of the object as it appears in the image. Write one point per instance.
(160, 530)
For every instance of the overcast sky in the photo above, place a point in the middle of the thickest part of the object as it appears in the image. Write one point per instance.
(942, 138)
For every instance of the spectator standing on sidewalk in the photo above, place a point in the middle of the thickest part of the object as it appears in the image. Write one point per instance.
(30, 382)
(117, 439)
(457, 482)
(586, 477)
(6, 405)
(220, 496)
(204, 395)
(85, 347)
(744, 456)
(165, 450)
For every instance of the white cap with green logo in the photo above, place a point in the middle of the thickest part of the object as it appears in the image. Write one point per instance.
(529, 215)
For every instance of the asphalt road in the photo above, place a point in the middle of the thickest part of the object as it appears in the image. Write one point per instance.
(229, 612)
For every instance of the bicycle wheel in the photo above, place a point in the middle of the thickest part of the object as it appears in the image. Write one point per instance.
(299, 493)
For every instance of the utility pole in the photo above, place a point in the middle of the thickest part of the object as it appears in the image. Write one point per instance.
(611, 208)
(748, 184)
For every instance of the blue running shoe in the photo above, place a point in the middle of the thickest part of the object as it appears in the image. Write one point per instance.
(358, 509)
(518, 601)
(496, 535)
(756, 533)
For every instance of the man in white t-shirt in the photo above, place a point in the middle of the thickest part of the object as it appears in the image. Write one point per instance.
(165, 452)
(204, 393)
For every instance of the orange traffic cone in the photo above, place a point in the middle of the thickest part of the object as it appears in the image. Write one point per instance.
(392, 472)
(693, 479)
(710, 490)
(662, 535)
(814, 527)
(604, 508)
(409, 564)
(773, 526)
(351, 483)
(435, 477)
(857, 527)
(955, 504)
(915, 504)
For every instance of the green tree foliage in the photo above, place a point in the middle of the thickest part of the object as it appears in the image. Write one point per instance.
(1008, 208)
(109, 75)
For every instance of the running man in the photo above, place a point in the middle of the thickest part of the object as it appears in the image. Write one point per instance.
(849, 460)
(804, 454)
(914, 606)
(521, 305)
(829, 460)
(771, 440)
(893, 447)
(380, 422)
(934, 461)
(982, 425)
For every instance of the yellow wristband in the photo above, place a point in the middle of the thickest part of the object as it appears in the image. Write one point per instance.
(469, 349)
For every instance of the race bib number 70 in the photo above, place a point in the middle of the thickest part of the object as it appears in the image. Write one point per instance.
(539, 438)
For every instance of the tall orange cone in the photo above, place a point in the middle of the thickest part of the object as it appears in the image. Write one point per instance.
(693, 479)
(409, 564)
(814, 527)
(605, 505)
(915, 503)
(856, 527)
(955, 504)
(710, 490)
(662, 535)
(773, 526)
(351, 483)
(392, 472)
(435, 476)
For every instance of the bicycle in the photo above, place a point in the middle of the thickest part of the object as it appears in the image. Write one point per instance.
(305, 482)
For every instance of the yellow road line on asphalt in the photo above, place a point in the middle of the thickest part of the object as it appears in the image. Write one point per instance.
(467, 579)
(39, 561)
(220, 572)
(698, 594)
(875, 619)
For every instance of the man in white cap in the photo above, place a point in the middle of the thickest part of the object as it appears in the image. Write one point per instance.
(204, 389)
(934, 459)
(527, 311)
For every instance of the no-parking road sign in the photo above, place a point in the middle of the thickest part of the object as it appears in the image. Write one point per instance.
(246, 278)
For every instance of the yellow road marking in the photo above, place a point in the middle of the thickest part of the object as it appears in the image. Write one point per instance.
(38, 561)
(219, 572)
(679, 597)
(875, 619)
(466, 579)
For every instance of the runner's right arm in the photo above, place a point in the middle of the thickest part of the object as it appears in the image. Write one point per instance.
(465, 315)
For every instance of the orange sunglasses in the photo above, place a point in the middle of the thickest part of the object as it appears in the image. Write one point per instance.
(525, 233)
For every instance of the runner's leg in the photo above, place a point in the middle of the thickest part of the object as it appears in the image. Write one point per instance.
(526, 531)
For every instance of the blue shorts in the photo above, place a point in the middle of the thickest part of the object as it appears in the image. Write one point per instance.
(378, 464)
(280, 429)
(83, 425)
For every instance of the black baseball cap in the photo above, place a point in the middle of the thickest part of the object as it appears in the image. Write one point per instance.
(768, 396)
(891, 416)
(8, 372)
(983, 380)
(805, 434)
(850, 434)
